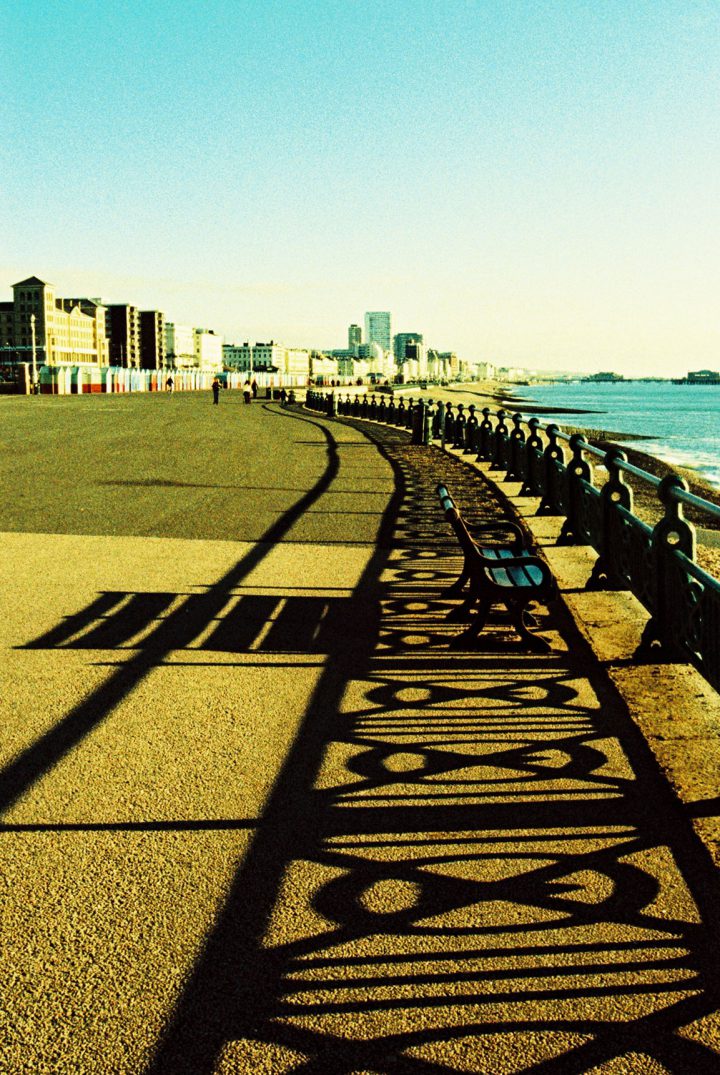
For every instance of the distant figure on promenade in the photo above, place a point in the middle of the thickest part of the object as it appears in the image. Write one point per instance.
(254, 388)
(283, 395)
(247, 392)
(169, 385)
(216, 390)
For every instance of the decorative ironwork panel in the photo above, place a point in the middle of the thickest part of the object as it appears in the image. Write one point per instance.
(694, 597)
(589, 521)
(629, 545)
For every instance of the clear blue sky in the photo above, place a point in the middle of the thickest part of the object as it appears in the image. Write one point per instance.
(533, 183)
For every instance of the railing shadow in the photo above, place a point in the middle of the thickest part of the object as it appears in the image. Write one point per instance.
(463, 852)
(176, 630)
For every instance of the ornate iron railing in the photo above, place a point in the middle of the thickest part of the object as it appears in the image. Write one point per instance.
(657, 563)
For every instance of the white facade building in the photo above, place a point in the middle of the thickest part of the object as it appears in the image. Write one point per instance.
(297, 362)
(293, 362)
(208, 350)
(179, 345)
(484, 371)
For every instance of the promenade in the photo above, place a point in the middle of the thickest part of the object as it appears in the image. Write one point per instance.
(258, 817)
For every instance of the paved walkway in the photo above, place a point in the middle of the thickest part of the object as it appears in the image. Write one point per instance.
(257, 816)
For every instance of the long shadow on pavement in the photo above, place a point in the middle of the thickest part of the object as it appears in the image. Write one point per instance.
(175, 631)
(468, 860)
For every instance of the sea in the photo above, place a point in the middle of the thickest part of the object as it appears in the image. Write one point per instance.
(680, 421)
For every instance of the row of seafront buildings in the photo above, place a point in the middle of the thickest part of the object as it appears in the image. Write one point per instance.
(379, 354)
(39, 329)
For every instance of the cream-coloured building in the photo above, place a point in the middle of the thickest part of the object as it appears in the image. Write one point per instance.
(55, 331)
(208, 350)
(272, 357)
(179, 345)
(298, 362)
(323, 367)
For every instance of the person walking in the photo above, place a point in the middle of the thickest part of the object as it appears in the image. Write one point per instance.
(247, 392)
(216, 390)
(254, 388)
(169, 385)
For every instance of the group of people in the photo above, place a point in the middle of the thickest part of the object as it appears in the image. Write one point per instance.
(250, 390)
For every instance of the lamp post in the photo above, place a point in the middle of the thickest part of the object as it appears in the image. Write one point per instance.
(34, 356)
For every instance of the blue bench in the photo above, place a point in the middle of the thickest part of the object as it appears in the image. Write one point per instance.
(498, 572)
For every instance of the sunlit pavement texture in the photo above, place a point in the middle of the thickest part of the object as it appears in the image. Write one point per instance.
(257, 816)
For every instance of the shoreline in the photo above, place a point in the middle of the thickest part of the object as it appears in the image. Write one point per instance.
(496, 394)
(646, 504)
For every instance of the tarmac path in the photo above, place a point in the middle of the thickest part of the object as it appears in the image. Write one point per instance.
(258, 817)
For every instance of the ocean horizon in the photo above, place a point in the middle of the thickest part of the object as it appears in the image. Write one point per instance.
(679, 423)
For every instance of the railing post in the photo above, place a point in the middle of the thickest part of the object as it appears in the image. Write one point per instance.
(400, 414)
(373, 407)
(438, 421)
(484, 437)
(448, 426)
(391, 412)
(382, 409)
(499, 460)
(553, 459)
(672, 598)
(429, 422)
(460, 420)
(616, 493)
(330, 405)
(470, 430)
(533, 457)
(517, 439)
(418, 423)
(578, 470)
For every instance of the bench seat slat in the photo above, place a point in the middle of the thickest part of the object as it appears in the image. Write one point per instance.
(497, 552)
(515, 577)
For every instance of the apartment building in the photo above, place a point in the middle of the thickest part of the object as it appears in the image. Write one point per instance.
(123, 331)
(7, 331)
(180, 345)
(51, 330)
(208, 349)
(270, 357)
(153, 355)
(377, 328)
(354, 338)
(407, 345)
